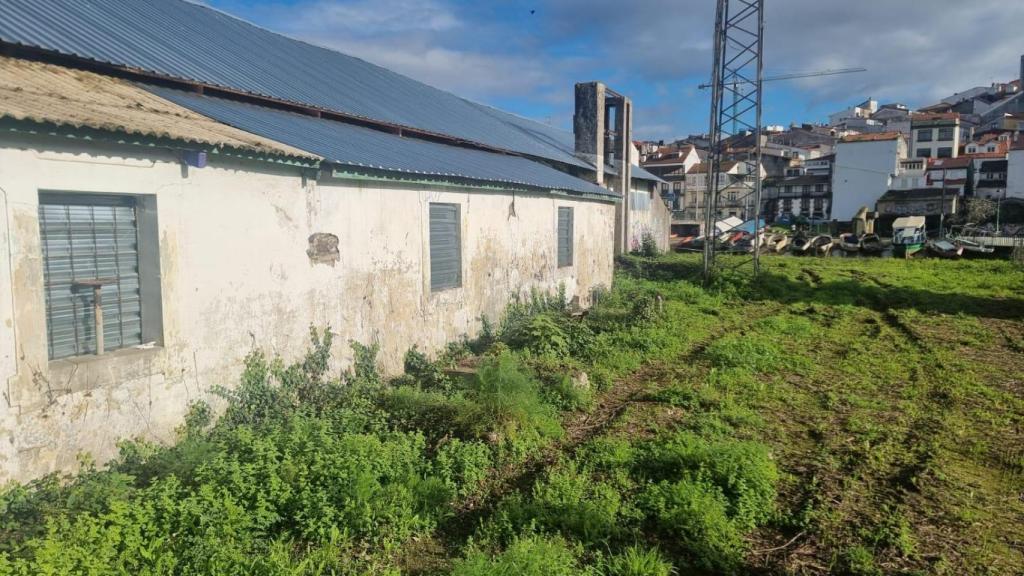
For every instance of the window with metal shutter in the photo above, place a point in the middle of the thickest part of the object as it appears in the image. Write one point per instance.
(445, 247)
(86, 238)
(564, 237)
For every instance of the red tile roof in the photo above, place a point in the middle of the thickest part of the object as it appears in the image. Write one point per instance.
(985, 138)
(949, 163)
(663, 162)
(702, 168)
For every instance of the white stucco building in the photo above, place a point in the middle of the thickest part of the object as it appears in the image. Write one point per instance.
(154, 233)
(935, 135)
(1015, 172)
(864, 168)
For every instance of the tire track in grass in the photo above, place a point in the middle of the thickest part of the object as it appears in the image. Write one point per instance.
(579, 428)
(907, 482)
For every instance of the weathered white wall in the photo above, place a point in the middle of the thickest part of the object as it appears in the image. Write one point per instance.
(233, 239)
(648, 214)
(863, 172)
(1015, 174)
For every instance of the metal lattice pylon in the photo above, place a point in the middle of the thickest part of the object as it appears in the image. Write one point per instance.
(735, 118)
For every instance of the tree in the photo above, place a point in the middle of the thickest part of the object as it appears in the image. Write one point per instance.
(980, 210)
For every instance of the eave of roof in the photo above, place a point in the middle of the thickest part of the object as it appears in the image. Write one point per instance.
(949, 163)
(63, 97)
(912, 194)
(805, 179)
(639, 173)
(875, 137)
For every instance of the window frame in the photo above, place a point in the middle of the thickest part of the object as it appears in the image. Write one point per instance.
(147, 269)
(944, 152)
(568, 236)
(437, 285)
(947, 134)
(921, 132)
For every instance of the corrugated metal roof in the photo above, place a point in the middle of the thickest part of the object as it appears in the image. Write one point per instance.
(356, 146)
(639, 173)
(46, 93)
(197, 43)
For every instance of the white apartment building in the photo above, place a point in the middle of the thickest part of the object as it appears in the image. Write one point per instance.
(935, 135)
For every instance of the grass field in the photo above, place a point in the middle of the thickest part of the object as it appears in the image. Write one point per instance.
(846, 416)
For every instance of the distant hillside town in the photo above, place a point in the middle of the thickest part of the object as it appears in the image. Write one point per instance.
(886, 158)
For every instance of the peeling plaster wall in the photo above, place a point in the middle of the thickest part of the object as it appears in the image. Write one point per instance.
(654, 218)
(235, 273)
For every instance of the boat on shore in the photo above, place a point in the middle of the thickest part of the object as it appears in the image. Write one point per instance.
(690, 244)
(975, 249)
(944, 249)
(848, 243)
(799, 245)
(821, 245)
(780, 244)
(908, 236)
(973, 240)
(871, 244)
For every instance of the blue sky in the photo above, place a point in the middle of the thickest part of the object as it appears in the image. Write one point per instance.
(525, 56)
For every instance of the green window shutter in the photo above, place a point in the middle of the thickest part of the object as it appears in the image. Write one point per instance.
(87, 237)
(565, 238)
(445, 247)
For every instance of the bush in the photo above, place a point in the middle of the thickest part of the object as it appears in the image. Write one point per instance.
(462, 466)
(565, 393)
(540, 334)
(693, 513)
(646, 308)
(637, 561)
(573, 502)
(859, 561)
(648, 245)
(608, 454)
(530, 555)
(506, 401)
(433, 413)
(429, 375)
(743, 472)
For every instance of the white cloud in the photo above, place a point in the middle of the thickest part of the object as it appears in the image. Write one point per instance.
(468, 74)
(916, 51)
(371, 18)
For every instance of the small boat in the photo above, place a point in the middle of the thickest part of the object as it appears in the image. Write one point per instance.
(908, 236)
(799, 245)
(821, 245)
(972, 248)
(871, 244)
(690, 243)
(849, 243)
(944, 249)
(780, 243)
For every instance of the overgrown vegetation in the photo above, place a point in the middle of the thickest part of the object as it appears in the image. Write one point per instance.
(833, 416)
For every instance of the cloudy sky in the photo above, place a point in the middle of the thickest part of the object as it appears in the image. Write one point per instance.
(526, 56)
